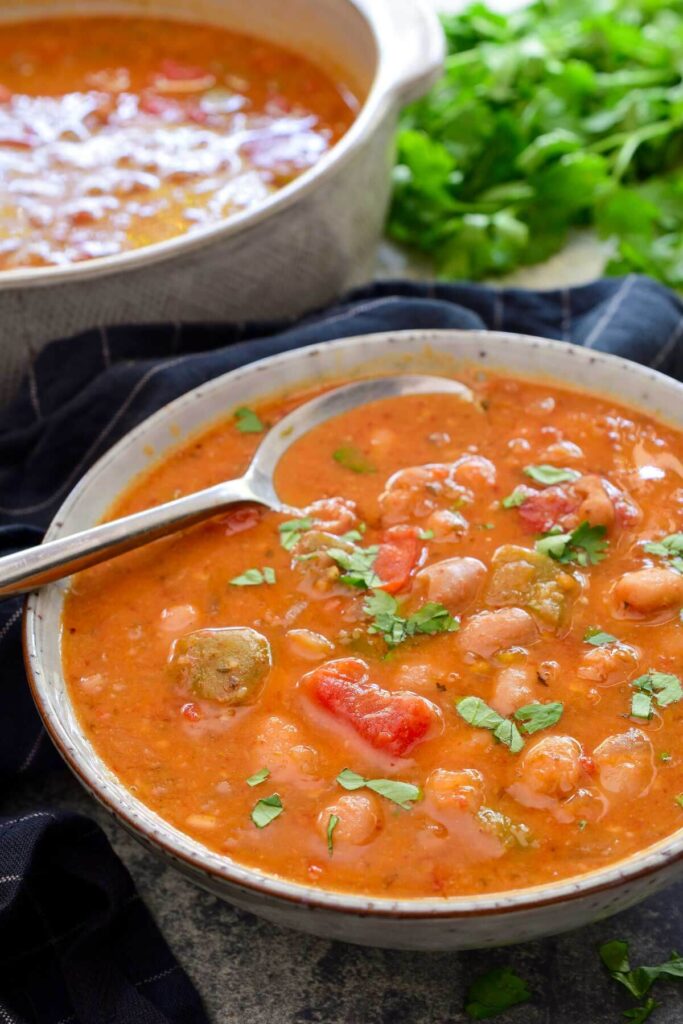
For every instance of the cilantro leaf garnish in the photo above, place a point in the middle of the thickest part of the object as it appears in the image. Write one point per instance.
(247, 421)
(534, 717)
(670, 548)
(402, 793)
(494, 993)
(477, 713)
(258, 777)
(332, 823)
(661, 688)
(351, 457)
(584, 546)
(267, 810)
(357, 566)
(637, 981)
(291, 530)
(425, 534)
(430, 619)
(253, 577)
(598, 637)
(550, 475)
(517, 497)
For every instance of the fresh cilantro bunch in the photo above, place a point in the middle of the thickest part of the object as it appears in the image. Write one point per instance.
(556, 116)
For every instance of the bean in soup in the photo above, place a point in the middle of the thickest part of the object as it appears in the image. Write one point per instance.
(117, 133)
(457, 671)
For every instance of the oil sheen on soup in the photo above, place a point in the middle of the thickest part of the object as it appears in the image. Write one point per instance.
(456, 670)
(117, 133)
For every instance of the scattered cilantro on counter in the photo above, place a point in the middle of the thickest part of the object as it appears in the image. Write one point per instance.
(494, 993)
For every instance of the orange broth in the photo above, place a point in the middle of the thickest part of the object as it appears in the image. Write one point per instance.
(118, 132)
(585, 789)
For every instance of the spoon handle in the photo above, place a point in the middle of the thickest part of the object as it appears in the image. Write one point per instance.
(56, 559)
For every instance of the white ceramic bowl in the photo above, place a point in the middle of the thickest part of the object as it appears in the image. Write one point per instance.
(455, 923)
(302, 246)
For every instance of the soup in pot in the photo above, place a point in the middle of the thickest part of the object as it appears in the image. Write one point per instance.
(456, 670)
(117, 133)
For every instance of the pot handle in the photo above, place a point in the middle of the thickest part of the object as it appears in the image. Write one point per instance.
(417, 49)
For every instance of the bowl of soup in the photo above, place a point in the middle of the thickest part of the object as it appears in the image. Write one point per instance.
(436, 706)
(162, 163)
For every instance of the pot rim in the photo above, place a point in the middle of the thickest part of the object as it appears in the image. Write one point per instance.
(98, 779)
(388, 83)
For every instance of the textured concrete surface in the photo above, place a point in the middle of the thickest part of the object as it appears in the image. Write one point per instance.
(250, 972)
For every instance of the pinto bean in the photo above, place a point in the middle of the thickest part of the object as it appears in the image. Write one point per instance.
(609, 665)
(461, 790)
(596, 506)
(359, 819)
(647, 591)
(513, 689)
(489, 632)
(625, 764)
(454, 582)
(552, 767)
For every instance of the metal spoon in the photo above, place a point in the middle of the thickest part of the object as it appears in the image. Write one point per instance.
(34, 567)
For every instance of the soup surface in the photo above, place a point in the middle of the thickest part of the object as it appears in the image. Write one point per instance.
(457, 670)
(120, 132)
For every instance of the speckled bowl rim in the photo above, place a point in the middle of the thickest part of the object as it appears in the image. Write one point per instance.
(158, 834)
(384, 93)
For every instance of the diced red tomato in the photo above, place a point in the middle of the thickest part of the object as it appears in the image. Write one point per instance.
(239, 519)
(397, 557)
(543, 510)
(191, 712)
(588, 764)
(390, 722)
(177, 72)
(160, 106)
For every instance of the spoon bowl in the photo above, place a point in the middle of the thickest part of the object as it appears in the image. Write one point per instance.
(34, 567)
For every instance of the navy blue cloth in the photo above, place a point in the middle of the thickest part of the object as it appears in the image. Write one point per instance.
(76, 943)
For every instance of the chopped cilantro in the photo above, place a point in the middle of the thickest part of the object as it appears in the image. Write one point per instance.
(486, 526)
(582, 823)
(679, 799)
(584, 546)
(258, 777)
(549, 475)
(291, 530)
(332, 823)
(670, 547)
(357, 566)
(494, 993)
(661, 687)
(351, 457)
(353, 536)
(253, 577)
(534, 717)
(665, 757)
(477, 713)
(267, 810)
(431, 618)
(247, 422)
(425, 534)
(402, 793)
(641, 705)
(516, 498)
(598, 637)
